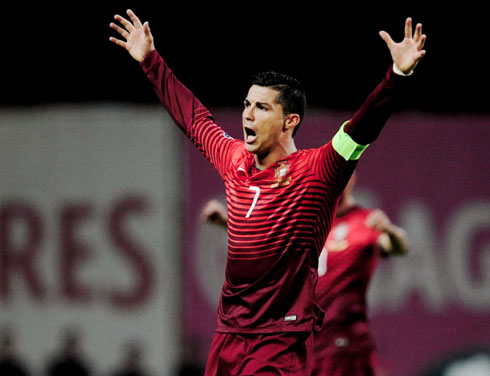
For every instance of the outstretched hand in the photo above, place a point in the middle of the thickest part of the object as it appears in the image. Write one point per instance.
(138, 40)
(409, 51)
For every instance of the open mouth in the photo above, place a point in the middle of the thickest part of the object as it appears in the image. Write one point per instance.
(250, 135)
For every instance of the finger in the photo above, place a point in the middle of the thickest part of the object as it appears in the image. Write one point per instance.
(134, 18)
(421, 54)
(120, 30)
(118, 42)
(418, 32)
(128, 25)
(146, 29)
(387, 38)
(408, 28)
(421, 42)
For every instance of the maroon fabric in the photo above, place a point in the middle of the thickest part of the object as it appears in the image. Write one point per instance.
(284, 354)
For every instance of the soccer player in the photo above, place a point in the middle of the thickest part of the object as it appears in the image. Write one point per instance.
(344, 345)
(280, 200)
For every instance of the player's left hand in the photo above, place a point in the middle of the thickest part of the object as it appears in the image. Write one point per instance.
(409, 51)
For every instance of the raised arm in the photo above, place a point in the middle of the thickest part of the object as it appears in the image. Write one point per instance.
(192, 117)
(367, 122)
(185, 109)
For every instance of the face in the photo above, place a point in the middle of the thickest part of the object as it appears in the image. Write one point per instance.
(262, 120)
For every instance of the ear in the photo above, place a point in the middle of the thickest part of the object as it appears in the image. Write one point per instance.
(291, 121)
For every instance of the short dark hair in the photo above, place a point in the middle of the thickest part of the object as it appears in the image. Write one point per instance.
(291, 92)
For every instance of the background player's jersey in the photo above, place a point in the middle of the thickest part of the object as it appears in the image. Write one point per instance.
(346, 266)
(278, 217)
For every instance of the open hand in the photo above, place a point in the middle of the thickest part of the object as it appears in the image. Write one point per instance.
(138, 40)
(409, 51)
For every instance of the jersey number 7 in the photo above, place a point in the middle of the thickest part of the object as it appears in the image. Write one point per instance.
(254, 202)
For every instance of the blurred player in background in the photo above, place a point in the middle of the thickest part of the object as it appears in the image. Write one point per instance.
(280, 200)
(344, 346)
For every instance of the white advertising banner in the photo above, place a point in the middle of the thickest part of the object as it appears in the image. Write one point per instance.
(89, 233)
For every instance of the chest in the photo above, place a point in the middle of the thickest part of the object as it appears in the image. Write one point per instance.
(277, 190)
(350, 233)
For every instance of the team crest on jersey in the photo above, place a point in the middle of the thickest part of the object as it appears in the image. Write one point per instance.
(336, 241)
(340, 231)
(280, 173)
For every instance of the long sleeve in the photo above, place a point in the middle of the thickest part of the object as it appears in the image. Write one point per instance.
(192, 117)
(368, 121)
(182, 105)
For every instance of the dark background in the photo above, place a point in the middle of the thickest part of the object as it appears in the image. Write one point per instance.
(53, 54)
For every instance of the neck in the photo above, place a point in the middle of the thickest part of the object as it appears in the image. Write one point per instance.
(280, 153)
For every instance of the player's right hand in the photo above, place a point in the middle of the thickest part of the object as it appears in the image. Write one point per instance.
(138, 40)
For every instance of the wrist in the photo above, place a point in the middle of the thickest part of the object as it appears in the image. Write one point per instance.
(400, 73)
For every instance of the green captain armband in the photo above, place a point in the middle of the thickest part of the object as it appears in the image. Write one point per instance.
(346, 146)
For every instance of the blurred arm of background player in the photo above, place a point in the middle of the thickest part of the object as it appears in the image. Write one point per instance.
(393, 239)
(214, 212)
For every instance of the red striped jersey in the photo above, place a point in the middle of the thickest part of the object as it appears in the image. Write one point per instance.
(278, 218)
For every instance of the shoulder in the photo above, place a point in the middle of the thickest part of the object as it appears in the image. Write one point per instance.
(315, 153)
(358, 216)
